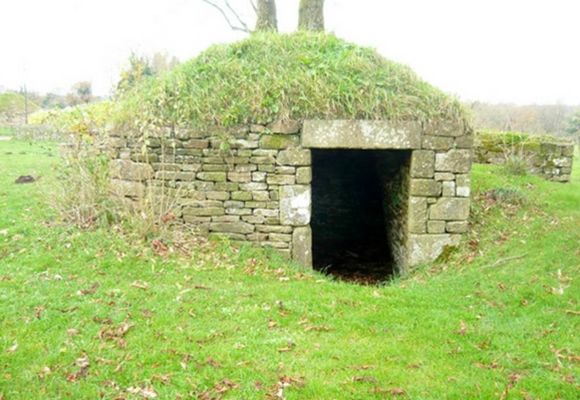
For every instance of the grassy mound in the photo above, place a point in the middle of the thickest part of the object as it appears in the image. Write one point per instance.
(298, 76)
(498, 140)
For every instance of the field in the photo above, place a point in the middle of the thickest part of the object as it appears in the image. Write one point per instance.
(96, 314)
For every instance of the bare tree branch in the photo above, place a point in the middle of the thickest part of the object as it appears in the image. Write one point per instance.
(242, 28)
(237, 16)
(254, 6)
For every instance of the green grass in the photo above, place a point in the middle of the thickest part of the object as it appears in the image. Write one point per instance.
(498, 319)
(271, 76)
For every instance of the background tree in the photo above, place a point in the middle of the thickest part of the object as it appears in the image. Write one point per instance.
(573, 128)
(83, 90)
(266, 15)
(311, 15)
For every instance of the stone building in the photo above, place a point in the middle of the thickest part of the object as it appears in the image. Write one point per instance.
(324, 191)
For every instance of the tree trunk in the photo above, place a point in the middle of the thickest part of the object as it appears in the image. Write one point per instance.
(311, 15)
(266, 12)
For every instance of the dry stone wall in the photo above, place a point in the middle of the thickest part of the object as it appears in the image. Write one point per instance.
(548, 157)
(252, 187)
(254, 184)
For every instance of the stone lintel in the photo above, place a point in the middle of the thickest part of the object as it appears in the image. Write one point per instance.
(361, 134)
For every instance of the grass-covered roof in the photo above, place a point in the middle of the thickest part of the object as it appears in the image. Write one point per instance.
(267, 77)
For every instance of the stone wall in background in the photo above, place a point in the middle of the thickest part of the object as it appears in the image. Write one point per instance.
(546, 156)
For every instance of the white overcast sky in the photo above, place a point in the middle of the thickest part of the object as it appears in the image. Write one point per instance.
(520, 51)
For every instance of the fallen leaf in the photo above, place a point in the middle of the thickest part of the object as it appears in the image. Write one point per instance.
(140, 285)
(147, 392)
(12, 348)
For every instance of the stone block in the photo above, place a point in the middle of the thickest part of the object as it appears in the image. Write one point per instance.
(241, 177)
(128, 188)
(245, 168)
(417, 218)
(280, 179)
(437, 142)
(215, 195)
(231, 227)
(285, 127)
(304, 175)
(266, 212)
(278, 142)
(280, 237)
(458, 161)
(457, 226)
(450, 209)
(227, 186)
(295, 205)
(259, 176)
(253, 186)
(214, 167)
(436, 226)
(463, 185)
(425, 187)
(445, 128)
(261, 195)
(448, 189)
(130, 171)
(274, 229)
(426, 248)
(242, 196)
(302, 245)
(212, 176)
(444, 176)
(464, 142)
(422, 164)
(196, 144)
(361, 134)
(295, 157)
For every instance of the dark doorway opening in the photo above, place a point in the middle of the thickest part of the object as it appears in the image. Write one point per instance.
(358, 212)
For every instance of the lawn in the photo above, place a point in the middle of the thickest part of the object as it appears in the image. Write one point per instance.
(94, 314)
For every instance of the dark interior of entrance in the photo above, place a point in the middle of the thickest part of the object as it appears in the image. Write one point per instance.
(358, 212)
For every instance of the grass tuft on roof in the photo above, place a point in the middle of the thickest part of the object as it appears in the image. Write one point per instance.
(269, 77)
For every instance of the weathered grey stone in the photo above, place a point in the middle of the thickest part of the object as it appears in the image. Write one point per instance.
(448, 189)
(361, 134)
(458, 161)
(212, 176)
(128, 188)
(457, 226)
(231, 227)
(245, 168)
(436, 226)
(302, 245)
(196, 144)
(245, 144)
(278, 141)
(285, 127)
(463, 186)
(280, 237)
(259, 176)
(444, 176)
(257, 237)
(417, 218)
(242, 196)
(295, 205)
(445, 128)
(295, 157)
(422, 163)
(240, 176)
(437, 142)
(234, 204)
(304, 175)
(285, 170)
(130, 171)
(261, 195)
(238, 211)
(253, 186)
(450, 209)
(274, 229)
(464, 142)
(426, 248)
(266, 212)
(281, 179)
(425, 187)
(214, 195)
(227, 186)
